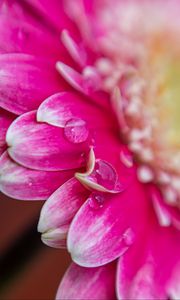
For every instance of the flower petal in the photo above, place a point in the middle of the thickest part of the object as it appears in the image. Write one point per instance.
(84, 284)
(106, 225)
(5, 120)
(25, 82)
(145, 271)
(76, 51)
(26, 184)
(42, 146)
(52, 13)
(87, 83)
(59, 108)
(173, 289)
(20, 36)
(56, 238)
(59, 210)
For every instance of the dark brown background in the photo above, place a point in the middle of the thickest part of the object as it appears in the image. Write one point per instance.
(29, 270)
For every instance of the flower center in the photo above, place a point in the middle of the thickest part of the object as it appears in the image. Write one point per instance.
(162, 75)
(168, 104)
(154, 127)
(142, 53)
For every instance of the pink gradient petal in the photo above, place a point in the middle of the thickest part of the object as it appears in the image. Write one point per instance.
(145, 271)
(173, 289)
(106, 225)
(87, 83)
(20, 36)
(25, 82)
(76, 51)
(56, 238)
(26, 184)
(52, 13)
(59, 108)
(85, 284)
(42, 146)
(59, 210)
(5, 120)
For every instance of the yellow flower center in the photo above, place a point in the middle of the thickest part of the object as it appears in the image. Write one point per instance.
(165, 75)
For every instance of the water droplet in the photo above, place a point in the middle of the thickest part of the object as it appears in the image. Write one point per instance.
(76, 130)
(104, 174)
(129, 237)
(96, 201)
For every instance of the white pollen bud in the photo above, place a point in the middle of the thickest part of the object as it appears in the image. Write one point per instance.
(147, 155)
(145, 174)
(170, 196)
(137, 134)
(164, 178)
(104, 66)
(176, 183)
(133, 109)
(135, 147)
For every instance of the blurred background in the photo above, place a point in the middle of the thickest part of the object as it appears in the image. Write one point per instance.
(29, 270)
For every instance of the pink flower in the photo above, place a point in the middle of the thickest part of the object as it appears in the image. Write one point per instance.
(90, 122)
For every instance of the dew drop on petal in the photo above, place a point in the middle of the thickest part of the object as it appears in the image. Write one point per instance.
(96, 200)
(104, 174)
(76, 130)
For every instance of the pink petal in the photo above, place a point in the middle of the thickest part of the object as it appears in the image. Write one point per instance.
(106, 225)
(145, 271)
(85, 284)
(25, 82)
(173, 289)
(5, 120)
(59, 210)
(51, 12)
(21, 36)
(56, 238)
(59, 108)
(76, 51)
(42, 146)
(86, 83)
(166, 214)
(26, 184)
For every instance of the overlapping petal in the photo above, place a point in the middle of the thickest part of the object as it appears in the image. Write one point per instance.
(145, 271)
(42, 146)
(19, 36)
(6, 119)
(98, 206)
(106, 226)
(61, 107)
(25, 81)
(59, 210)
(84, 284)
(27, 184)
